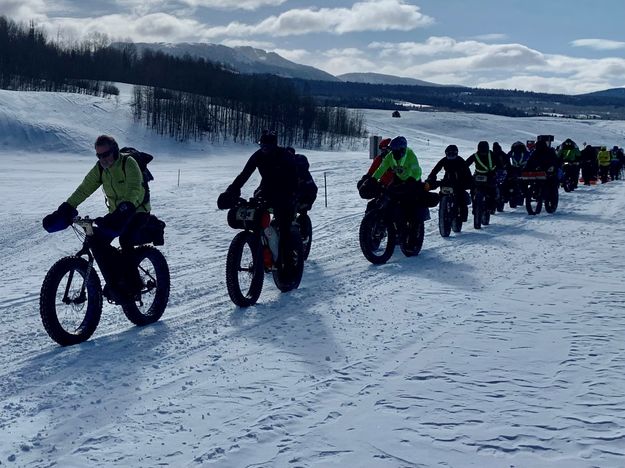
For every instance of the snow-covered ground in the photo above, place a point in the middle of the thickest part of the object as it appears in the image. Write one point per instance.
(499, 347)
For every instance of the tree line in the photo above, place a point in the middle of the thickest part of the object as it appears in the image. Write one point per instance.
(183, 97)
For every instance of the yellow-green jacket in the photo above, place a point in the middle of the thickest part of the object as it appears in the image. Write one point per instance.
(406, 167)
(570, 154)
(119, 185)
(604, 157)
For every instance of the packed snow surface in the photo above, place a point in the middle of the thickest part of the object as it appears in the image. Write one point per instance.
(492, 348)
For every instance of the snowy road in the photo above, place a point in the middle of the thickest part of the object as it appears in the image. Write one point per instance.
(500, 347)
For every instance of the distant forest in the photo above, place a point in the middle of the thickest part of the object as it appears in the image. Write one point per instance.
(507, 102)
(181, 97)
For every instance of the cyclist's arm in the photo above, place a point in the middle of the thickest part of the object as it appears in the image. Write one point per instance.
(383, 167)
(246, 173)
(90, 184)
(436, 170)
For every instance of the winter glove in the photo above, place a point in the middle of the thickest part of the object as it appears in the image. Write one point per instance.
(368, 187)
(60, 219)
(227, 199)
(114, 223)
(430, 184)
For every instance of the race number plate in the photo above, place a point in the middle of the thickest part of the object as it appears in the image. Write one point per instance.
(245, 214)
(481, 178)
(447, 190)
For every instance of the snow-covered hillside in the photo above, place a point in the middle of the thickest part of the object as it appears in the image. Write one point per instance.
(499, 347)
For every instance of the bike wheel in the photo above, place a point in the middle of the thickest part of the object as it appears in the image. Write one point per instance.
(485, 217)
(244, 269)
(377, 238)
(290, 266)
(533, 203)
(413, 244)
(456, 224)
(478, 208)
(70, 303)
(445, 209)
(305, 229)
(500, 204)
(551, 202)
(154, 273)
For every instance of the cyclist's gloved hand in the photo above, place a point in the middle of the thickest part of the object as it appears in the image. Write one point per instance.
(227, 199)
(60, 219)
(368, 187)
(114, 223)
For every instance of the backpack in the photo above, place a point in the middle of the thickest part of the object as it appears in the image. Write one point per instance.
(142, 159)
(306, 186)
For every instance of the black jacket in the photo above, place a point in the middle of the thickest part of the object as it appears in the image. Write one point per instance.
(588, 155)
(278, 172)
(542, 160)
(457, 172)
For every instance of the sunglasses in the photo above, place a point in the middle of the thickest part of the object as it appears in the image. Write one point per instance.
(106, 154)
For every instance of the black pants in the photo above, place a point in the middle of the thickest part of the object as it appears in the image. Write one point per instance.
(118, 267)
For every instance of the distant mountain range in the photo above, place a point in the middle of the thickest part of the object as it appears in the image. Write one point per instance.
(250, 60)
(379, 78)
(376, 90)
(612, 92)
(245, 59)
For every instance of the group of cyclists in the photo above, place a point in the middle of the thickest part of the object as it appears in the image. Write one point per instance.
(396, 169)
(288, 189)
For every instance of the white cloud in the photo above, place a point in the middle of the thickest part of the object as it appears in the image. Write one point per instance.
(294, 55)
(473, 63)
(380, 15)
(266, 45)
(491, 37)
(599, 44)
(151, 5)
(23, 10)
(155, 27)
(233, 4)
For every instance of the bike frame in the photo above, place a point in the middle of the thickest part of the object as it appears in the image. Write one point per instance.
(87, 224)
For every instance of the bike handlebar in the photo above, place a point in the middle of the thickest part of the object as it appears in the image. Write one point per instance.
(84, 222)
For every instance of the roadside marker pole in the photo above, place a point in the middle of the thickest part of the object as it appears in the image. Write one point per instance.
(325, 188)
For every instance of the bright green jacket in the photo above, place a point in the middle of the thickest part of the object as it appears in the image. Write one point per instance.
(604, 158)
(406, 167)
(119, 185)
(570, 154)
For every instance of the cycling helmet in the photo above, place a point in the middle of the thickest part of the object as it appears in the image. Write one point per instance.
(384, 143)
(451, 151)
(399, 143)
(268, 138)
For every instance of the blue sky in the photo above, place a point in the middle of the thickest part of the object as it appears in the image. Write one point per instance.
(571, 46)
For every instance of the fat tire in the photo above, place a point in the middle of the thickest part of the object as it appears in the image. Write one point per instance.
(367, 225)
(479, 206)
(551, 202)
(414, 250)
(456, 224)
(486, 217)
(287, 282)
(444, 216)
(305, 229)
(535, 209)
(233, 261)
(161, 296)
(47, 302)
